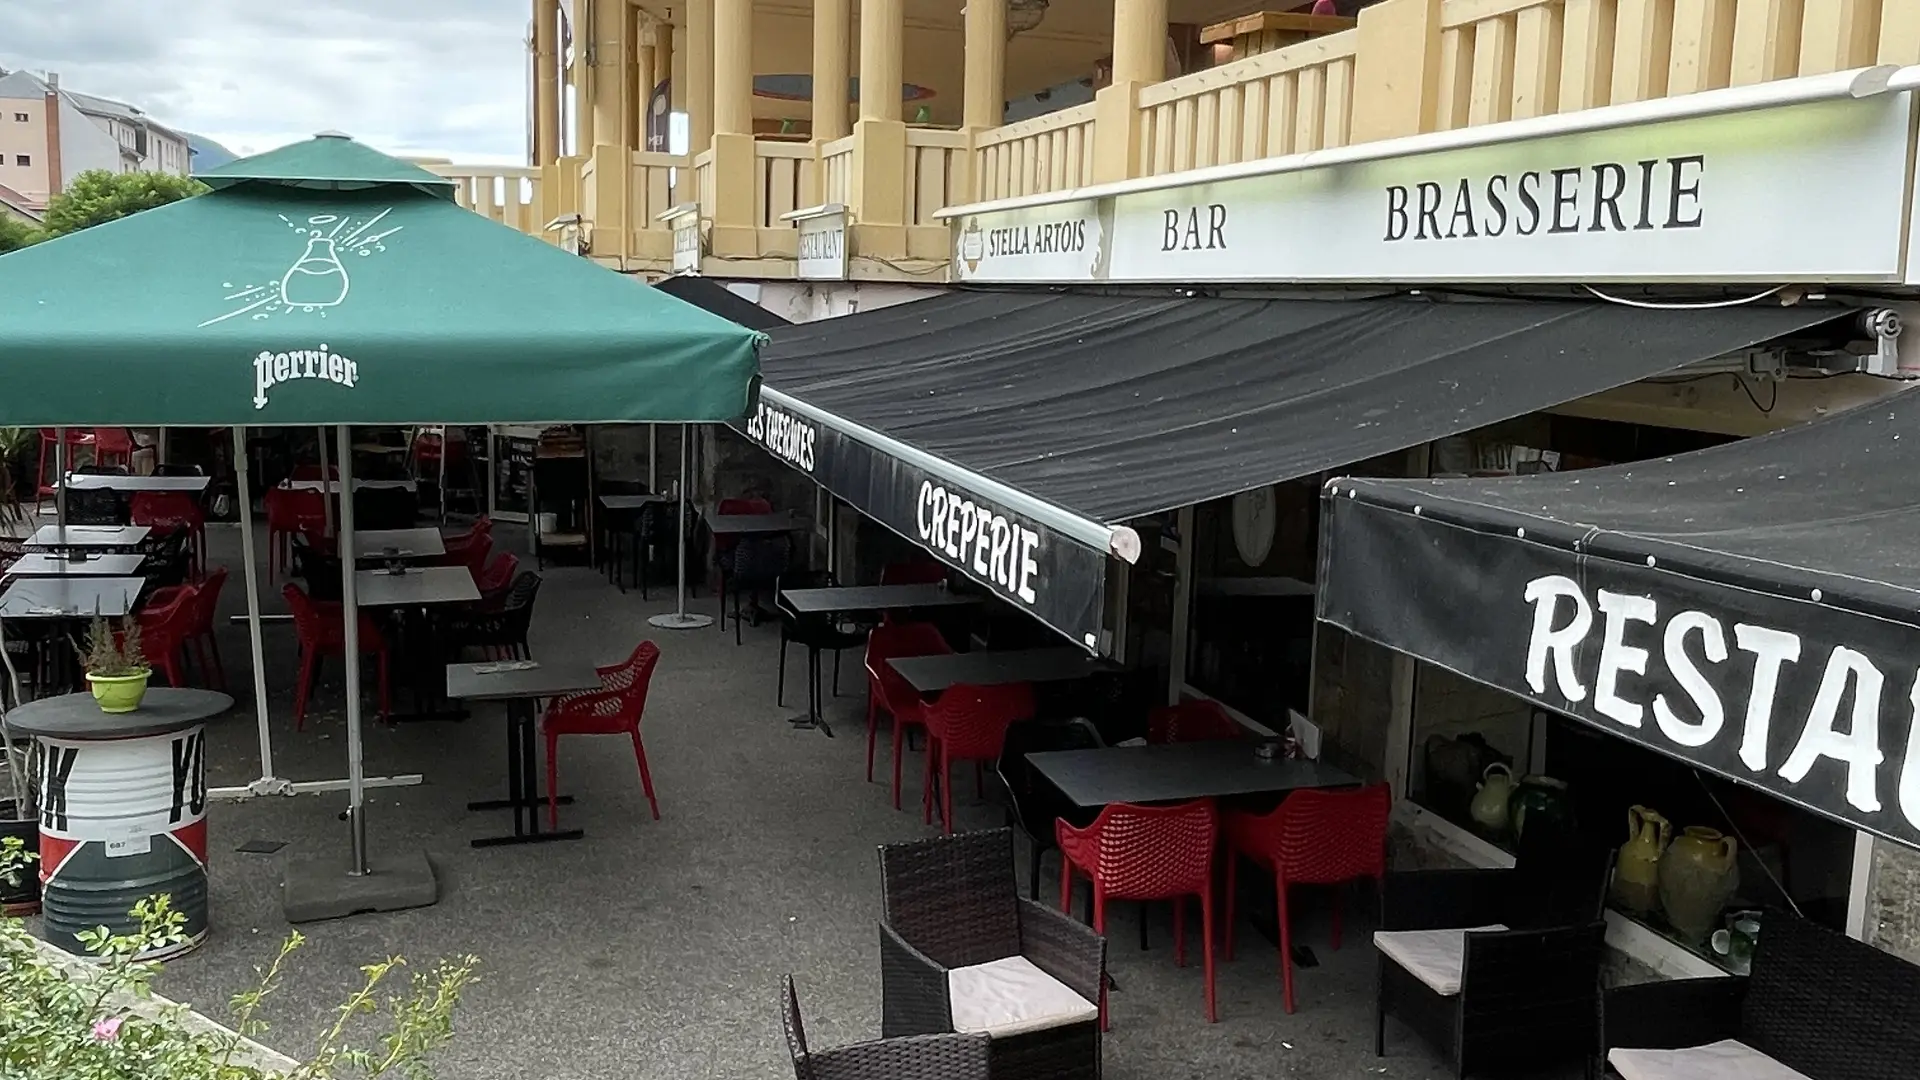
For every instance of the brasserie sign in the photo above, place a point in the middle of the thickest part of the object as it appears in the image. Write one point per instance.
(1701, 199)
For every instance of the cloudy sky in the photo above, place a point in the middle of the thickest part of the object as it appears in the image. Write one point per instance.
(418, 77)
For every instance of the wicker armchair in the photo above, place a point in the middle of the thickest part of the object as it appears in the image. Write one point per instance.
(1497, 969)
(959, 943)
(915, 1057)
(1817, 1002)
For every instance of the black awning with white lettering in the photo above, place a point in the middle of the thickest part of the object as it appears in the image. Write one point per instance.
(1753, 609)
(1104, 408)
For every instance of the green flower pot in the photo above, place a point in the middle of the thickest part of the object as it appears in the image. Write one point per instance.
(119, 693)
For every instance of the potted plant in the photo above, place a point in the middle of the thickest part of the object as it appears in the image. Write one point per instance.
(116, 667)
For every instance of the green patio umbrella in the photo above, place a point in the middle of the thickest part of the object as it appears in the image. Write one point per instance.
(325, 283)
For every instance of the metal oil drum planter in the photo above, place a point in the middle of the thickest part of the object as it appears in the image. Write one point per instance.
(123, 800)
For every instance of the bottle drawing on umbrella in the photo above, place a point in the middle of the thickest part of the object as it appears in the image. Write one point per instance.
(317, 279)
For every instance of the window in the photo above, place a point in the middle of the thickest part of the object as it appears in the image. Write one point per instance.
(23, 159)
(20, 118)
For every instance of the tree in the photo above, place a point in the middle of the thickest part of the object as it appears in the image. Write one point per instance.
(16, 233)
(97, 196)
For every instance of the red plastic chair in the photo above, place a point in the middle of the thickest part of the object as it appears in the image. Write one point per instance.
(171, 511)
(164, 629)
(497, 575)
(113, 446)
(49, 440)
(1147, 853)
(289, 511)
(614, 710)
(460, 545)
(322, 630)
(887, 691)
(1192, 721)
(968, 723)
(200, 635)
(1312, 838)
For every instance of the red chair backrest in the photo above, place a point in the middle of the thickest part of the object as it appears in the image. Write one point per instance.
(971, 721)
(901, 639)
(1192, 721)
(308, 623)
(207, 599)
(1332, 836)
(163, 508)
(636, 674)
(1150, 852)
(913, 573)
(162, 626)
(112, 440)
(498, 574)
(289, 509)
(474, 555)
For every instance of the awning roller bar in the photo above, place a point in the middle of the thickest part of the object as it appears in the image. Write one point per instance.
(1115, 539)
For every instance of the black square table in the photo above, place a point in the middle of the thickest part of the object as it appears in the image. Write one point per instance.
(91, 537)
(192, 485)
(372, 544)
(520, 683)
(1177, 772)
(930, 674)
(843, 599)
(753, 524)
(633, 502)
(70, 597)
(41, 564)
(412, 592)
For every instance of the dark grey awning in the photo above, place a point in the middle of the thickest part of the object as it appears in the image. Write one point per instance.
(1109, 407)
(1752, 609)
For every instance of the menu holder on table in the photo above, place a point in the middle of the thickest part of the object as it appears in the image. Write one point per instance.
(500, 666)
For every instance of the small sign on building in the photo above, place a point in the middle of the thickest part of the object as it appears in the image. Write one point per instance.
(684, 220)
(823, 242)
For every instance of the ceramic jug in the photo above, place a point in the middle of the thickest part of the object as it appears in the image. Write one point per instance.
(1636, 876)
(1541, 800)
(1698, 875)
(1489, 809)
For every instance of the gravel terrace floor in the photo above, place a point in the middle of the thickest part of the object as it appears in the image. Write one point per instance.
(653, 949)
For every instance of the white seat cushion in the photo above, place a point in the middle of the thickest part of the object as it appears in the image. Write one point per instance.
(1011, 996)
(1724, 1060)
(1435, 957)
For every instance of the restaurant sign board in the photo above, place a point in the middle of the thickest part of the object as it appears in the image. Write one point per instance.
(1058, 580)
(1804, 192)
(1808, 702)
(822, 253)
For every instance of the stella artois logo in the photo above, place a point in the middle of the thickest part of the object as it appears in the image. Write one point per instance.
(973, 245)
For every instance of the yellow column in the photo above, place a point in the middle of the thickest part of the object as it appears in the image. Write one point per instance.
(832, 44)
(1139, 59)
(611, 57)
(699, 94)
(1396, 75)
(642, 79)
(732, 212)
(546, 81)
(985, 101)
(580, 75)
(877, 187)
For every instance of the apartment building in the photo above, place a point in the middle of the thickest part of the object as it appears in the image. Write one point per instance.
(49, 135)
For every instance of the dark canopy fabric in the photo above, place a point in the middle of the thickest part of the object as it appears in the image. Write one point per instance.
(717, 299)
(1009, 432)
(1118, 406)
(1753, 609)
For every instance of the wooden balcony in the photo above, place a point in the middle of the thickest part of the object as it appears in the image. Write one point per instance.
(1292, 86)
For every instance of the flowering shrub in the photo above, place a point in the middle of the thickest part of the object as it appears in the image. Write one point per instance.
(100, 1021)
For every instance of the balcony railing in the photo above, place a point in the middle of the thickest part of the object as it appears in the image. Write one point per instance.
(1487, 61)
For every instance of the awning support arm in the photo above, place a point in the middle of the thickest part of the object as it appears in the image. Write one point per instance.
(1117, 540)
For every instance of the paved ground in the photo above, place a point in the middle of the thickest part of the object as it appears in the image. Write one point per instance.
(654, 949)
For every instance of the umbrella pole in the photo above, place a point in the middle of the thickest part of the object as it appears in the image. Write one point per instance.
(350, 617)
(61, 466)
(268, 784)
(680, 619)
(653, 458)
(326, 486)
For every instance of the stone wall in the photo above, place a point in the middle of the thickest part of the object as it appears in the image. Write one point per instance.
(1893, 900)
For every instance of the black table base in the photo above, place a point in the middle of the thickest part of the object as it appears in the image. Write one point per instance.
(816, 719)
(423, 662)
(523, 789)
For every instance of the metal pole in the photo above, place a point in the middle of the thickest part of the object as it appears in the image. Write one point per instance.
(833, 546)
(446, 439)
(493, 475)
(61, 466)
(680, 619)
(350, 615)
(326, 486)
(268, 783)
(653, 458)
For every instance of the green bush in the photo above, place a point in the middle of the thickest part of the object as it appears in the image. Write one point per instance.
(99, 1021)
